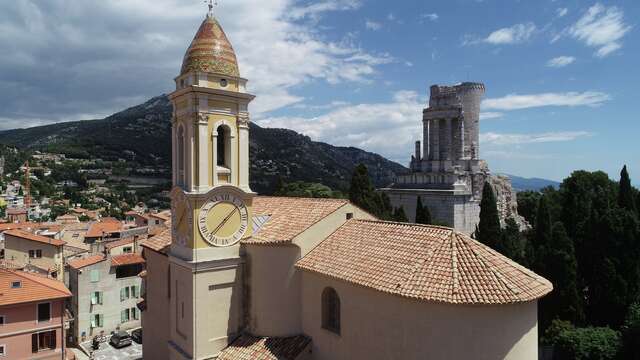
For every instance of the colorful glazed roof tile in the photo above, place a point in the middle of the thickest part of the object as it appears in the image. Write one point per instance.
(210, 51)
(33, 237)
(248, 347)
(31, 288)
(87, 261)
(280, 219)
(422, 262)
(159, 243)
(126, 259)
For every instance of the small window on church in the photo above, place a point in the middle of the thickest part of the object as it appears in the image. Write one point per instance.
(331, 310)
(223, 83)
(181, 156)
(349, 216)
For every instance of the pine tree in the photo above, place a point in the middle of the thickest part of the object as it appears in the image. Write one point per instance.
(423, 216)
(488, 231)
(625, 193)
(562, 270)
(399, 215)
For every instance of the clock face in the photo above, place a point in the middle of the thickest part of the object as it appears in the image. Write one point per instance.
(181, 218)
(223, 220)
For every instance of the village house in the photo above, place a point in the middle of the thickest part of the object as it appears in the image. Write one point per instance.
(106, 289)
(32, 311)
(25, 248)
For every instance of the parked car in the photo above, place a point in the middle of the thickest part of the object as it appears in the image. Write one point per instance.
(136, 335)
(120, 339)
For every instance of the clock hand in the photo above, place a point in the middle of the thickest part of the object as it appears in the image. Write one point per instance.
(224, 221)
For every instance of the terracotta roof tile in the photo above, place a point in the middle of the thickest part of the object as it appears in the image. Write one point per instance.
(32, 288)
(422, 262)
(248, 347)
(287, 217)
(126, 259)
(112, 244)
(87, 261)
(103, 227)
(159, 243)
(33, 237)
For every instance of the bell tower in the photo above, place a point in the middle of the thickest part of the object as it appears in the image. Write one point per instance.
(211, 198)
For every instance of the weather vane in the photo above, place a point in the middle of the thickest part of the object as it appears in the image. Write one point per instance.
(211, 4)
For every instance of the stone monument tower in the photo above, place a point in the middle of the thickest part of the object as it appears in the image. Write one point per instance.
(446, 170)
(211, 199)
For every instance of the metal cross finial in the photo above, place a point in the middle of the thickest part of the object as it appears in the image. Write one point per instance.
(211, 4)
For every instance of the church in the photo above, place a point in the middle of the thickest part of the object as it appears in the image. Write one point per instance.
(243, 276)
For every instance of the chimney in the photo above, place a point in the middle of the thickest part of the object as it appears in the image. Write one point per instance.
(418, 155)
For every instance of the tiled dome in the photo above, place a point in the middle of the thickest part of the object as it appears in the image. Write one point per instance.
(210, 51)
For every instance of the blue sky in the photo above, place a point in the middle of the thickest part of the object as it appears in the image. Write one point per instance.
(560, 75)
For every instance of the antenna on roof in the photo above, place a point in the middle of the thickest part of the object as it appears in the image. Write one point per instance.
(211, 4)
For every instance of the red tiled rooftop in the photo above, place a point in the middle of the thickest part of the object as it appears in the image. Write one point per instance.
(32, 288)
(103, 227)
(289, 216)
(160, 242)
(33, 237)
(126, 259)
(112, 244)
(87, 261)
(249, 347)
(421, 262)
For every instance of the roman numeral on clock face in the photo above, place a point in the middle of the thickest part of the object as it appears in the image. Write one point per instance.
(223, 220)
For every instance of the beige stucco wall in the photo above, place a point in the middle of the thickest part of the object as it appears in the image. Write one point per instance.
(375, 325)
(17, 250)
(274, 283)
(155, 319)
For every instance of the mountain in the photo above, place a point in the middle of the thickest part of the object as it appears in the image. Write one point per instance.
(533, 184)
(142, 136)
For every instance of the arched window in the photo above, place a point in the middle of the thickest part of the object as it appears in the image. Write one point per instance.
(181, 156)
(223, 146)
(331, 310)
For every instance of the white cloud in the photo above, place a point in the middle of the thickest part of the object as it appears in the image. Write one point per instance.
(561, 61)
(430, 17)
(388, 128)
(561, 12)
(512, 35)
(602, 28)
(516, 102)
(490, 115)
(491, 138)
(372, 25)
(57, 50)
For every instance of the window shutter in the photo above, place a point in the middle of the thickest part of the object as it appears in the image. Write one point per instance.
(122, 294)
(122, 315)
(52, 340)
(94, 298)
(101, 318)
(93, 321)
(100, 297)
(34, 343)
(126, 293)
(134, 311)
(95, 276)
(134, 291)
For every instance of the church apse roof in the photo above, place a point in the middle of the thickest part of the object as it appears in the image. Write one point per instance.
(422, 262)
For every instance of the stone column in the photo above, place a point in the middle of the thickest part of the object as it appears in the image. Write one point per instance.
(461, 132)
(449, 139)
(425, 139)
(243, 151)
(202, 158)
(435, 136)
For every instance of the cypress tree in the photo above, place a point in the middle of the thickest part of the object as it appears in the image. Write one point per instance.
(488, 230)
(512, 245)
(361, 190)
(399, 215)
(423, 216)
(542, 235)
(625, 193)
(562, 270)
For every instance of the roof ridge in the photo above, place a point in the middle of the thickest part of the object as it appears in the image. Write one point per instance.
(430, 226)
(302, 198)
